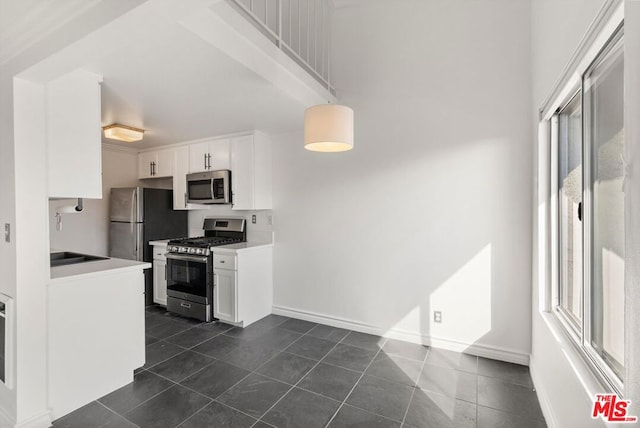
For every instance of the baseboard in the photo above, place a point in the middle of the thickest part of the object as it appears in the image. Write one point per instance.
(491, 352)
(5, 420)
(543, 396)
(494, 353)
(42, 420)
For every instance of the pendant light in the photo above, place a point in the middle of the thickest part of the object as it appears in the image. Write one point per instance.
(328, 128)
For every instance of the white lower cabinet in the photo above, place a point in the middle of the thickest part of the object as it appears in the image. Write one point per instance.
(95, 335)
(160, 274)
(160, 282)
(243, 285)
(225, 295)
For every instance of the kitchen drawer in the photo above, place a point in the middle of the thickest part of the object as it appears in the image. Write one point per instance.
(224, 261)
(159, 252)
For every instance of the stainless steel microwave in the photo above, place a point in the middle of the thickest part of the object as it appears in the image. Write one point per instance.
(211, 187)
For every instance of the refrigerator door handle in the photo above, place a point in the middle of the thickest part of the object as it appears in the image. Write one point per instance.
(134, 205)
(139, 242)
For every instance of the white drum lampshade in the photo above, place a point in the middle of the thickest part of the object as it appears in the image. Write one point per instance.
(328, 128)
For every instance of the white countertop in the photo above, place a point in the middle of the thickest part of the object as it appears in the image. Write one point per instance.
(160, 242)
(96, 267)
(241, 247)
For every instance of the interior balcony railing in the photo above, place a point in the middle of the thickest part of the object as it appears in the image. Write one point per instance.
(300, 28)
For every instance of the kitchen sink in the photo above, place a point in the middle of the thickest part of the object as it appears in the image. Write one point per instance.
(69, 258)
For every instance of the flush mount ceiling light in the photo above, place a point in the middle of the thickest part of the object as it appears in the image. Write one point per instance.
(328, 128)
(128, 134)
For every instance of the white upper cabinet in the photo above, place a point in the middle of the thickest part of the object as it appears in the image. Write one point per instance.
(180, 169)
(209, 156)
(247, 156)
(145, 164)
(156, 164)
(251, 172)
(74, 136)
(166, 160)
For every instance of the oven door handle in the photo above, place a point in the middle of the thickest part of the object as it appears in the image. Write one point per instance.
(198, 259)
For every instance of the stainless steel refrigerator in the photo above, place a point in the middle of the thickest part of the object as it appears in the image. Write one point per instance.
(138, 215)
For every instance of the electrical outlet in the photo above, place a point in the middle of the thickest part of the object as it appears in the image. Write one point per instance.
(270, 220)
(253, 219)
(437, 316)
(7, 232)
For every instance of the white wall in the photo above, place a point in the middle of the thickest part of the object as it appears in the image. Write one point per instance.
(88, 231)
(24, 263)
(31, 260)
(431, 210)
(564, 383)
(7, 215)
(557, 26)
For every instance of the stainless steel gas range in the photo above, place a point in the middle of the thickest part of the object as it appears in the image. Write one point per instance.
(190, 279)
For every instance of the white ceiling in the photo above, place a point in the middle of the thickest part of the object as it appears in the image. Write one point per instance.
(179, 88)
(25, 22)
(163, 78)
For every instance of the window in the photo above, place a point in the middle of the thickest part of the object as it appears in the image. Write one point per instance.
(604, 132)
(589, 240)
(570, 211)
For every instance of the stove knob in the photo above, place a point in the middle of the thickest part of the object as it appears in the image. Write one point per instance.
(200, 251)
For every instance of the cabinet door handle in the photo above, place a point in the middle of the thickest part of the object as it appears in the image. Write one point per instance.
(185, 199)
(150, 168)
(205, 161)
(209, 157)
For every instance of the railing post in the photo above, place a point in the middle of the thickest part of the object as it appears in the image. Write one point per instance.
(320, 65)
(279, 22)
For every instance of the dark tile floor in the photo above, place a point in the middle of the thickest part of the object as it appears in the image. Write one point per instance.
(285, 372)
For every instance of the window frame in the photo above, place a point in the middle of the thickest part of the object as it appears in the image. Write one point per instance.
(569, 322)
(580, 335)
(611, 377)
